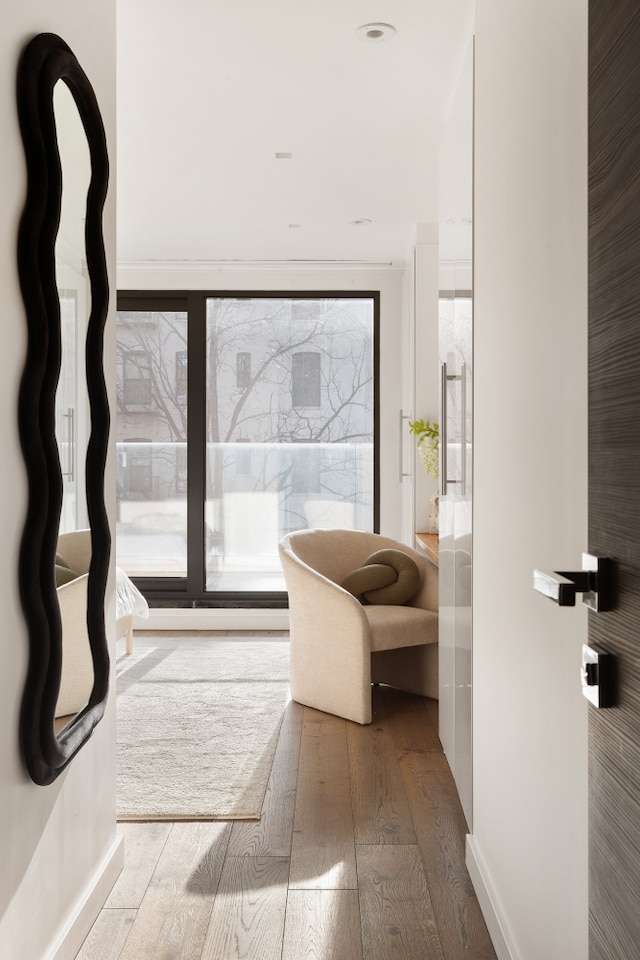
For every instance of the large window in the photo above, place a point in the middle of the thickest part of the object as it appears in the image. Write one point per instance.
(280, 435)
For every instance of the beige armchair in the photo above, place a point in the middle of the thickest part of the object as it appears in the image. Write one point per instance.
(77, 664)
(340, 646)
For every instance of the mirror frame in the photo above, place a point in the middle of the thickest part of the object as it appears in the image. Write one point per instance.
(46, 60)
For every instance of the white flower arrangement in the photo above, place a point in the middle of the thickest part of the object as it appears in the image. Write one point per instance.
(428, 435)
(428, 449)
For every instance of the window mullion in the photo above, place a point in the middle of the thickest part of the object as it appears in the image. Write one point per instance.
(196, 443)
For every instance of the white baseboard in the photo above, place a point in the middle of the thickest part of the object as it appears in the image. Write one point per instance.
(161, 618)
(489, 902)
(73, 934)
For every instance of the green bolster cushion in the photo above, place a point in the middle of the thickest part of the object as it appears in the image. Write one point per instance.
(64, 573)
(387, 576)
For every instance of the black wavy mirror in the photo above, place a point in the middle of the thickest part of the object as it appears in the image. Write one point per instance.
(64, 290)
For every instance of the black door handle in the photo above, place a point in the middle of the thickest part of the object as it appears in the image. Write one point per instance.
(593, 582)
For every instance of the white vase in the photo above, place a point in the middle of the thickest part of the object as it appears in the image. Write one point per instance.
(433, 513)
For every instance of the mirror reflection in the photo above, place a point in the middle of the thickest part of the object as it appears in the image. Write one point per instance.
(72, 420)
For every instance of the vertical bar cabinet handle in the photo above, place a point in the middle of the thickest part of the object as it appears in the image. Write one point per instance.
(443, 430)
(401, 473)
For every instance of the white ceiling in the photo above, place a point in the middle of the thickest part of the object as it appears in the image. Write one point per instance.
(210, 90)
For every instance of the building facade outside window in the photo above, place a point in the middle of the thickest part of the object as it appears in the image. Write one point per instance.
(181, 376)
(243, 370)
(137, 382)
(306, 386)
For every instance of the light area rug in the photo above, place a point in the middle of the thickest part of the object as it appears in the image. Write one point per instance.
(198, 720)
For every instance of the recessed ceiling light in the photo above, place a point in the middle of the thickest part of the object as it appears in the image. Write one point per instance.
(284, 156)
(363, 222)
(294, 226)
(376, 32)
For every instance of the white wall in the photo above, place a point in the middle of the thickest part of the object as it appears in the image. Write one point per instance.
(528, 852)
(390, 284)
(59, 850)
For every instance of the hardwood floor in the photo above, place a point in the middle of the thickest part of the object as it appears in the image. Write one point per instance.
(359, 855)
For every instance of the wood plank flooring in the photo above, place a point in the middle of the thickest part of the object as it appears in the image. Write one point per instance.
(359, 855)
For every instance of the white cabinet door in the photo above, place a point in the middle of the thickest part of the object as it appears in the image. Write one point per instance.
(456, 437)
(455, 633)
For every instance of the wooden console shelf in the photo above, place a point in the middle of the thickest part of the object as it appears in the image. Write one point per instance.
(428, 544)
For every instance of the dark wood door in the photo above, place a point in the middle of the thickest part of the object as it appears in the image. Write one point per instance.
(614, 469)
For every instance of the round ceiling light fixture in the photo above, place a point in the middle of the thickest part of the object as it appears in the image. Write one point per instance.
(376, 32)
(362, 222)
